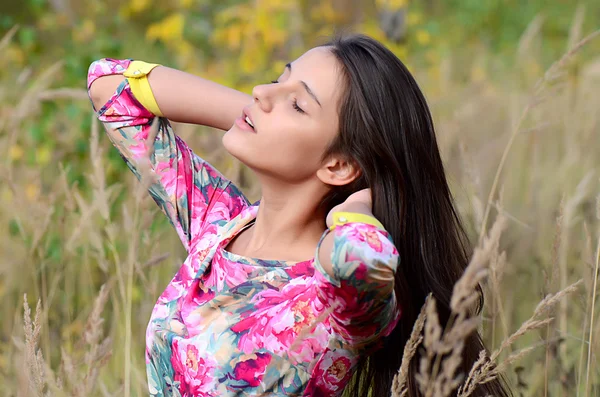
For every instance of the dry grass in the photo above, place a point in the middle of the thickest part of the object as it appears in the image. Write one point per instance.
(88, 252)
(399, 385)
(442, 348)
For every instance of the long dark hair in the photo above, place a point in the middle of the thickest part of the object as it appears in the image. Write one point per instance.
(387, 129)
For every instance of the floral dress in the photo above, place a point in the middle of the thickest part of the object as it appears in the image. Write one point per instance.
(229, 325)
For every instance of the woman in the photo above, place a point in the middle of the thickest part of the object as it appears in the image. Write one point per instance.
(297, 293)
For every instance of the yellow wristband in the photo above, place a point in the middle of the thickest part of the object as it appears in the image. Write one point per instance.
(137, 76)
(341, 218)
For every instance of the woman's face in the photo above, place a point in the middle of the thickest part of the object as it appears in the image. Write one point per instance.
(294, 120)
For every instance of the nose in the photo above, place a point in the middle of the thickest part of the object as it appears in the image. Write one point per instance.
(263, 95)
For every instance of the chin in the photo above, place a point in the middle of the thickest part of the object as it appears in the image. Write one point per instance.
(236, 145)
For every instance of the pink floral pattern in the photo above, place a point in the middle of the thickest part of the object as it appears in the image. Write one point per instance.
(228, 325)
(193, 370)
(277, 318)
(252, 371)
(332, 372)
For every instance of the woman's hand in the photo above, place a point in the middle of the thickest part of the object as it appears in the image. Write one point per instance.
(360, 202)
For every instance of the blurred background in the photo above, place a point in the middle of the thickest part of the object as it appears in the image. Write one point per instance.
(74, 218)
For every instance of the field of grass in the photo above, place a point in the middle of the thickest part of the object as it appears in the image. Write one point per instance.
(92, 252)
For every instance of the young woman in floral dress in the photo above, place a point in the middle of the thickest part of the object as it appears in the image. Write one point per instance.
(315, 288)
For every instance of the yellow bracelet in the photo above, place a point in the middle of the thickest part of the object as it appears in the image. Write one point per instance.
(341, 218)
(137, 76)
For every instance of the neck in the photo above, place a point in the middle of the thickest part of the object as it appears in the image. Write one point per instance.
(288, 216)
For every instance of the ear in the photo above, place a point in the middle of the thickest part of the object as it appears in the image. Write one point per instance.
(338, 172)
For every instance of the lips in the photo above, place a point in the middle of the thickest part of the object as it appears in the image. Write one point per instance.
(248, 118)
(245, 121)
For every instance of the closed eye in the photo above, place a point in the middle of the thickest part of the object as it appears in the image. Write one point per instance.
(298, 108)
(295, 104)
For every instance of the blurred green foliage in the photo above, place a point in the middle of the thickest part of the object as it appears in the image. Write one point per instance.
(243, 43)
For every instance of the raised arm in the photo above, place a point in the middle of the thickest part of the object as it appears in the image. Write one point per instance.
(192, 193)
(357, 261)
(360, 282)
(182, 97)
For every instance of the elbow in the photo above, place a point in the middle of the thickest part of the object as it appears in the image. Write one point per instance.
(94, 72)
(103, 88)
(103, 78)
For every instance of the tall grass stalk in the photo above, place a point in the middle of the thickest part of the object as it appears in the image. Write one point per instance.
(591, 331)
(551, 75)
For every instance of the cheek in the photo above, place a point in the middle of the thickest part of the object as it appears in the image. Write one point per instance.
(297, 155)
(291, 154)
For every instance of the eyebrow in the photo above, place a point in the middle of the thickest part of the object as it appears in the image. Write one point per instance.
(312, 94)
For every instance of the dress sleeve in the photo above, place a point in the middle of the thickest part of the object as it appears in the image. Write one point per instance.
(186, 188)
(361, 291)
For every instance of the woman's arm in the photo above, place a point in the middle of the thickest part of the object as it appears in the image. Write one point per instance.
(190, 191)
(357, 261)
(182, 97)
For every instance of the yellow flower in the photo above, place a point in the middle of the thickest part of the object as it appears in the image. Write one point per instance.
(32, 191)
(423, 37)
(137, 6)
(392, 4)
(169, 29)
(15, 152)
(234, 36)
(414, 18)
(326, 13)
(248, 60)
(43, 155)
